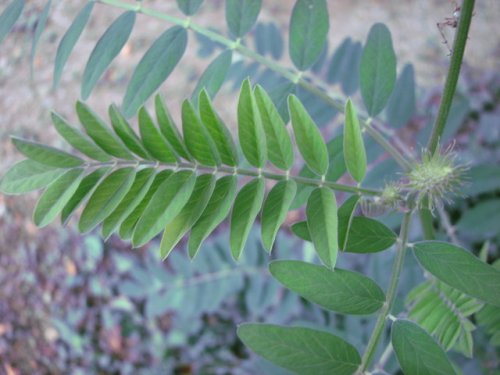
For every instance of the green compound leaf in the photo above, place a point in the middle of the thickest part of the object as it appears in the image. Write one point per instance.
(302, 350)
(340, 290)
(189, 7)
(46, 155)
(377, 69)
(125, 132)
(56, 196)
(128, 226)
(460, 269)
(169, 129)
(106, 197)
(164, 206)
(69, 40)
(241, 15)
(107, 48)
(26, 176)
(213, 77)
(86, 187)
(191, 212)
(197, 137)
(39, 28)
(218, 131)
(444, 313)
(97, 129)
(275, 209)
(354, 147)
(250, 130)
(154, 68)
(322, 222)
(308, 31)
(368, 236)
(78, 140)
(417, 352)
(153, 140)
(9, 17)
(246, 207)
(279, 145)
(217, 209)
(308, 137)
(143, 181)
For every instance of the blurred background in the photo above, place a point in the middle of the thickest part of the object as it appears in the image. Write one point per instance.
(72, 304)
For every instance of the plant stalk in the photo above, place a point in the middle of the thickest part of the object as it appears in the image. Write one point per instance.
(450, 86)
(290, 74)
(240, 172)
(397, 267)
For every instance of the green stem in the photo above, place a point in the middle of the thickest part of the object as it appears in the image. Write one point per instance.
(239, 172)
(447, 99)
(390, 296)
(453, 73)
(290, 74)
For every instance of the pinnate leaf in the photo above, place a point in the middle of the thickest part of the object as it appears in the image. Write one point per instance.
(189, 7)
(246, 207)
(142, 182)
(322, 222)
(153, 140)
(302, 350)
(106, 197)
(354, 147)
(46, 155)
(250, 129)
(218, 131)
(125, 132)
(377, 69)
(214, 76)
(460, 269)
(216, 211)
(9, 17)
(308, 31)
(169, 129)
(368, 235)
(340, 290)
(86, 187)
(308, 137)
(78, 140)
(346, 215)
(107, 48)
(279, 145)
(55, 197)
(193, 209)
(164, 206)
(154, 68)
(198, 139)
(241, 15)
(97, 129)
(417, 352)
(275, 209)
(26, 176)
(128, 225)
(41, 22)
(69, 40)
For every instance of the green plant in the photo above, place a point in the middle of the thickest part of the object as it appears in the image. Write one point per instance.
(186, 185)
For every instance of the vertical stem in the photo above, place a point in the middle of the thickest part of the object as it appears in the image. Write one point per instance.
(447, 98)
(390, 296)
(453, 73)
